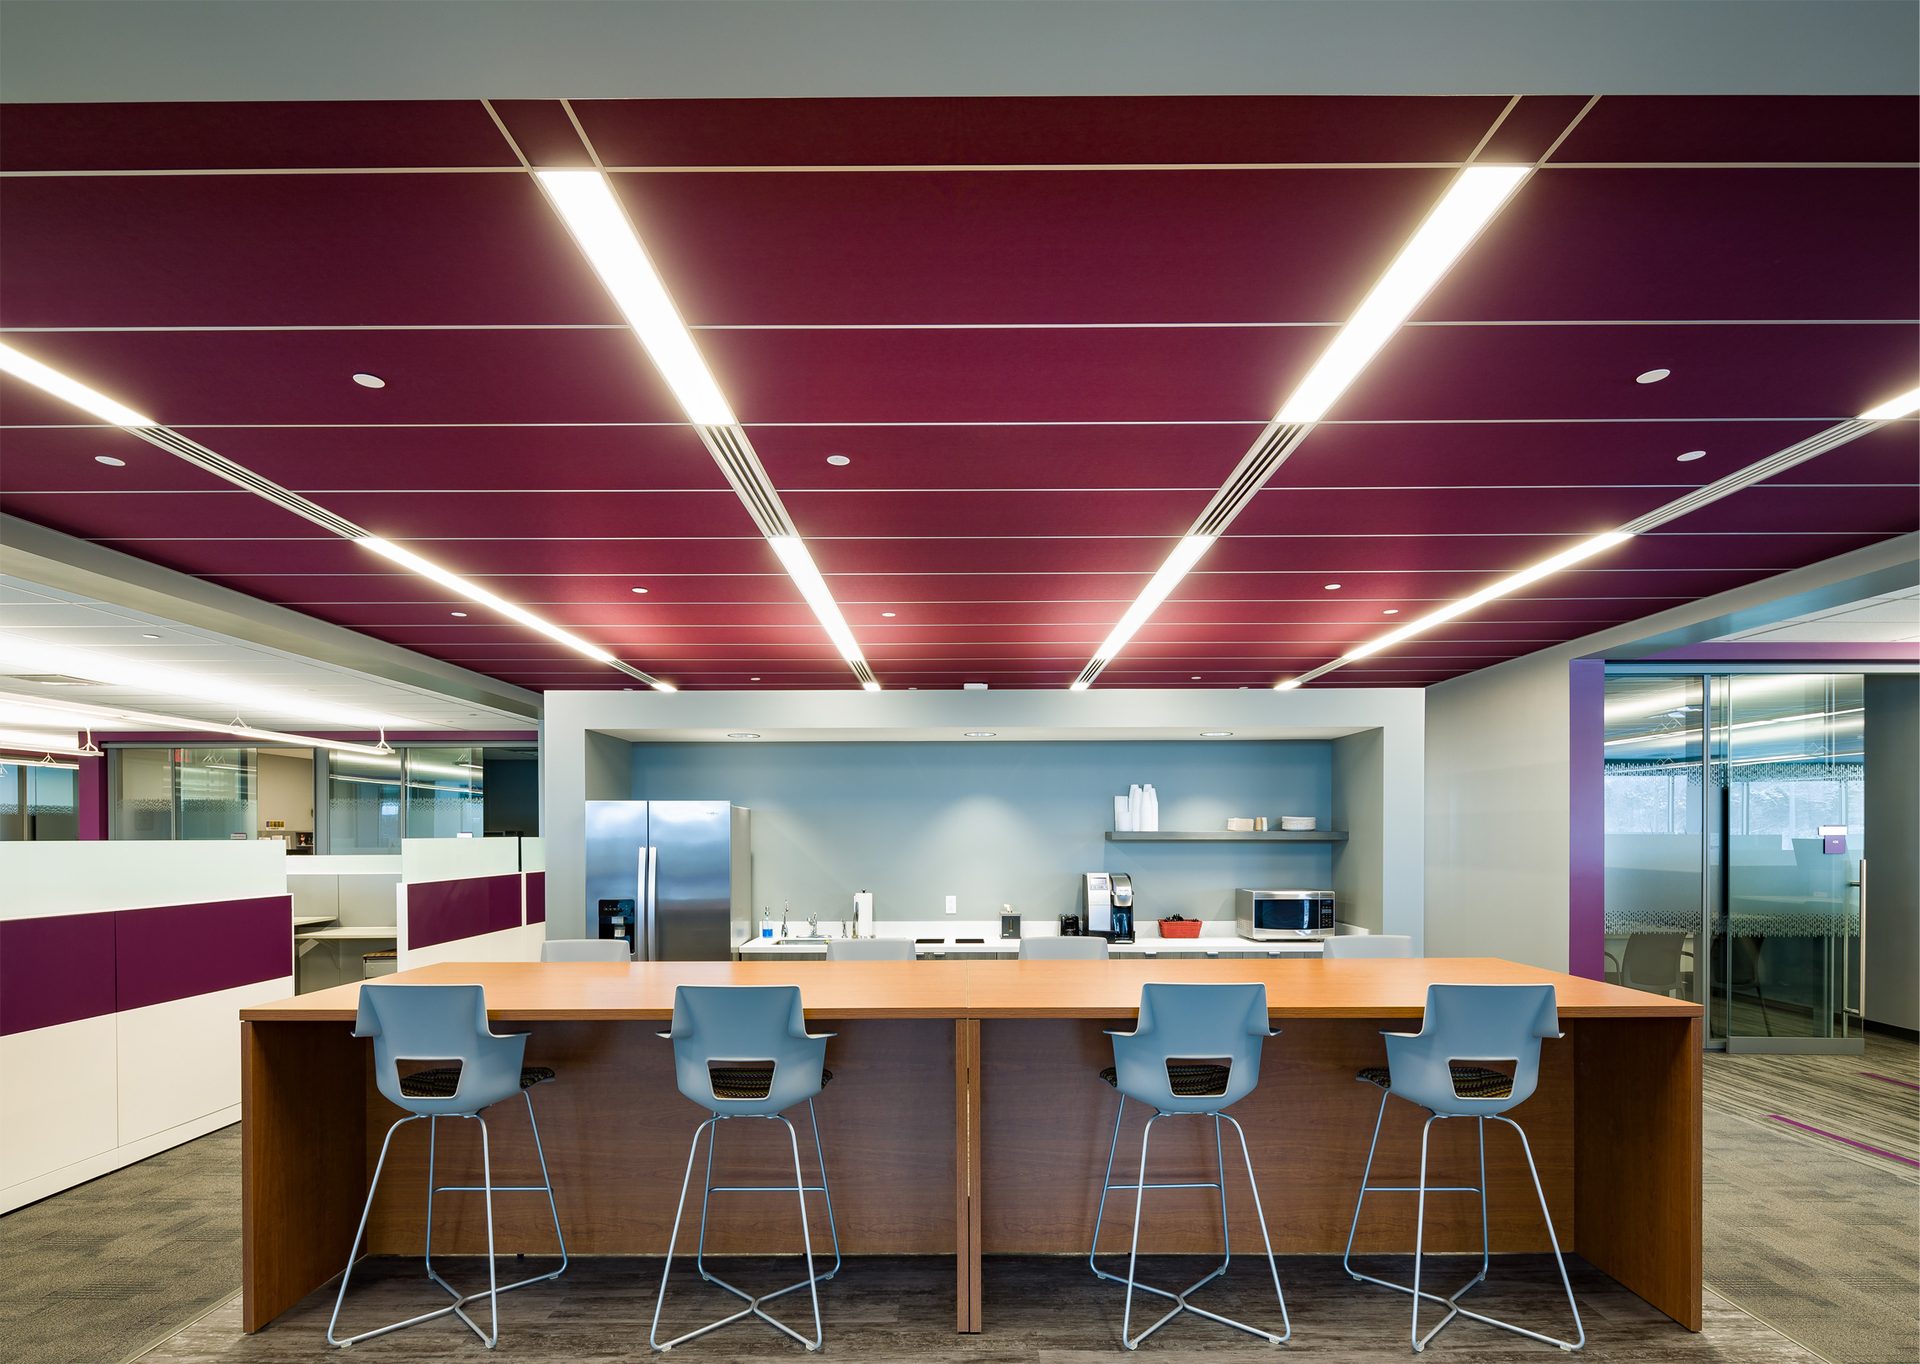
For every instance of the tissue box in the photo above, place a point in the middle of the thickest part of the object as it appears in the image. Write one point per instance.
(1240, 826)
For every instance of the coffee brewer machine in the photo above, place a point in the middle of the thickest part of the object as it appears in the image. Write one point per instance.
(1106, 905)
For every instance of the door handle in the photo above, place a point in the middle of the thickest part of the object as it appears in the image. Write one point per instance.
(652, 855)
(1861, 884)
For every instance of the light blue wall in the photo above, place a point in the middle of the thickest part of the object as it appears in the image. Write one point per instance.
(999, 822)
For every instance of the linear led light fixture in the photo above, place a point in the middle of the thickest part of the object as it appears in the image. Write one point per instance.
(1893, 409)
(21, 655)
(93, 718)
(90, 400)
(479, 595)
(1470, 202)
(50, 380)
(1178, 564)
(25, 741)
(586, 204)
(1513, 582)
(1476, 194)
(792, 551)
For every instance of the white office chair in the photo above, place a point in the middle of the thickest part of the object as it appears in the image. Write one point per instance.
(1063, 949)
(1355, 945)
(870, 949)
(586, 949)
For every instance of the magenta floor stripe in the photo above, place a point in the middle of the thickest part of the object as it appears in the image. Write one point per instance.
(1846, 1141)
(1890, 1079)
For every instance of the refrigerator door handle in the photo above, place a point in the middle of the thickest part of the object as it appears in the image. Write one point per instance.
(651, 862)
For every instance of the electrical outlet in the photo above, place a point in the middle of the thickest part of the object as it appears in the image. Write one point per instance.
(953, 904)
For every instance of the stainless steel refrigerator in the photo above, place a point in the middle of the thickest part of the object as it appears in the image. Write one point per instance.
(673, 876)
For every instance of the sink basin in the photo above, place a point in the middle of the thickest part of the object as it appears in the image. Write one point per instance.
(816, 940)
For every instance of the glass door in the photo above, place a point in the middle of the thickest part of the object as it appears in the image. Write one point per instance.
(1786, 762)
(1657, 885)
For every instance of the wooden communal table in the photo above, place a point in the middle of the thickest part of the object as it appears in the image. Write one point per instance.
(966, 1117)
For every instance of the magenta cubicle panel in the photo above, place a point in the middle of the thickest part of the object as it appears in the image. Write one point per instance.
(55, 970)
(177, 951)
(441, 911)
(536, 897)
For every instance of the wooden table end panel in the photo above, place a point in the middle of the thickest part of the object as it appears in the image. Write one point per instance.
(1638, 1157)
(302, 1164)
(966, 1167)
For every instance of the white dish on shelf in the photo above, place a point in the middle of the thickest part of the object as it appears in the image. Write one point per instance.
(1297, 824)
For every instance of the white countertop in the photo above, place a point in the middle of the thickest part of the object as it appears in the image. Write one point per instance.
(1216, 936)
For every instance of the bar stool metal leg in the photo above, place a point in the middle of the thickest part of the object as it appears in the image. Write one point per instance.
(1180, 1303)
(545, 1186)
(1107, 1186)
(1451, 1301)
(800, 1188)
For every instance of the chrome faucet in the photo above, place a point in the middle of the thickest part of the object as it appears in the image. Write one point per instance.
(813, 924)
(783, 918)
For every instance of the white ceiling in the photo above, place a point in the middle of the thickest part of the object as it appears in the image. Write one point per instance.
(298, 695)
(1890, 618)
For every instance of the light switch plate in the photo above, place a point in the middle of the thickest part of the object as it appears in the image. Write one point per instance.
(953, 904)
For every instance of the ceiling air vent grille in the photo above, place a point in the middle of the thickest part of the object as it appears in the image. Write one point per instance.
(238, 474)
(733, 452)
(1249, 476)
(1817, 444)
(1091, 671)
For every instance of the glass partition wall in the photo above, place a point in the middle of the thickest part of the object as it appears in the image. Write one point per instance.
(1734, 850)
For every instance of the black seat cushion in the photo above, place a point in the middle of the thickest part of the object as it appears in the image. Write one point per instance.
(749, 1081)
(1469, 1082)
(1197, 1080)
(442, 1082)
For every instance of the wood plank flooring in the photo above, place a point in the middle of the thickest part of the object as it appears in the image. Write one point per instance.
(1038, 1311)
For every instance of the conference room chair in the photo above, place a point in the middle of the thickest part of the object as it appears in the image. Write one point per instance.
(1087, 948)
(870, 949)
(743, 1051)
(586, 949)
(447, 1023)
(1429, 1069)
(1194, 1051)
(1369, 946)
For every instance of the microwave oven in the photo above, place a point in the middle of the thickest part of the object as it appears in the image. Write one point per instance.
(1265, 915)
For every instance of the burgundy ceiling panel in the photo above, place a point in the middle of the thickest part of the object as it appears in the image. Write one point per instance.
(1038, 378)
(1678, 128)
(894, 377)
(289, 250)
(1054, 131)
(543, 132)
(1447, 511)
(194, 379)
(1196, 457)
(1021, 247)
(1533, 454)
(1655, 244)
(264, 135)
(1549, 373)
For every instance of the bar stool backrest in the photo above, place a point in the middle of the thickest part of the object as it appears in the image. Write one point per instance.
(1183, 1031)
(439, 1025)
(1473, 1024)
(726, 1038)
(1086, 948)
(586, 949)
(870, 949)
(1369, 945)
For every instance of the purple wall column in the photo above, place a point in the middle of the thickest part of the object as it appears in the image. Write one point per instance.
(1587, 815)
(90, 797)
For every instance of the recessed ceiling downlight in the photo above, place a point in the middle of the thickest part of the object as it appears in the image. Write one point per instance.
(1331, 587)
(149, 636)
(369, 381)
(111, 461)
(1216, 734)
(1391, 611)
(888, 615)
(1651, 376)
(1691, 456)
(839, 461)
(743, 734)
(460, 615)
(641, 590)
(981, 733)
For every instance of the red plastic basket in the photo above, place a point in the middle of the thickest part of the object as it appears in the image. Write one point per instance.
(1179, 928)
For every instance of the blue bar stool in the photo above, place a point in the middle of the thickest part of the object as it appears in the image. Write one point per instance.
(1434, 1068)
(1194, 1051)
(743, 1051)
(447, 1023)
